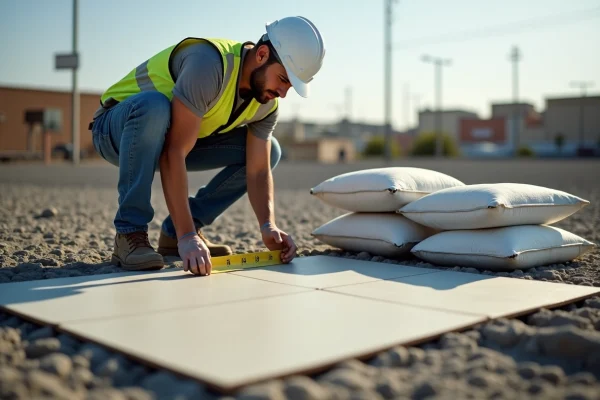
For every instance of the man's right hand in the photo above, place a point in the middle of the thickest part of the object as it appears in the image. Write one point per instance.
(195, 255)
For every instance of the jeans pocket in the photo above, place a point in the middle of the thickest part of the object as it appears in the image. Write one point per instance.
(103, 142)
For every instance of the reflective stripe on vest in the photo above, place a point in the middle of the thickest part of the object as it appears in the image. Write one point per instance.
(155, 75)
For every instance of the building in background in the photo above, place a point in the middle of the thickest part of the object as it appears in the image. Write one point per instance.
(574, 122)
(326, 150)
(450, 121)
(18, 138)
(568, 126)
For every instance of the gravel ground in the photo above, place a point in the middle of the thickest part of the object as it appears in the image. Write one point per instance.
(49, 230)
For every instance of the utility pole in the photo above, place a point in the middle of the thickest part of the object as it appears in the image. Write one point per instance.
(581, 86)
(348, 125)
(406, 106)
(515, 57)
(348, 96)
(75, 95)
(416, 98)
(438, 63)
(387, 82)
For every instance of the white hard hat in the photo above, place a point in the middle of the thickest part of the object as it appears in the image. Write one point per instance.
(300, 48)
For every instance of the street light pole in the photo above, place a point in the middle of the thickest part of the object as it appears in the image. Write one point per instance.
(515, 57)
(75, 94)
(387, 80)
(387, 72)
(438, 63)
(582, 86)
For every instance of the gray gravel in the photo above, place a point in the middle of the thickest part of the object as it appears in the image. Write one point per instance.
(49, 231)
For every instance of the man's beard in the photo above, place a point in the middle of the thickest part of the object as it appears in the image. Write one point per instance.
(257, 86)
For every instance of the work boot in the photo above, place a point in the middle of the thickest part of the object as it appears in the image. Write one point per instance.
(133, 252)
(167, 246)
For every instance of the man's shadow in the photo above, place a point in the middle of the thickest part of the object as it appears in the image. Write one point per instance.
(21, 292)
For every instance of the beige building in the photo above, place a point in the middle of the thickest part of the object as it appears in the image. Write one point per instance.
(523, 123)
(450, 121)
(325, 150)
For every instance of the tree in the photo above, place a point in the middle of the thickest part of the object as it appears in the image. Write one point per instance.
(525, 151)
(376, 147)
(425, 143)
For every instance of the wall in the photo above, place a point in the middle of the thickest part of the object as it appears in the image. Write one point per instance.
(301, 151)
(563, 116)
(329, 150)
(321, 150)
(507, 109)
(450, 121)
(14, 102)
(483, 130)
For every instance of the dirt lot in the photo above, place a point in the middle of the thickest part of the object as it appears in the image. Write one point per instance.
(549, 354)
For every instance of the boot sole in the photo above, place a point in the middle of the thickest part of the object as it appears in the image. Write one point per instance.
(145, 266)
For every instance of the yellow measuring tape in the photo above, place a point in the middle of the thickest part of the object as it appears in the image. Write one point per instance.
(235, 262)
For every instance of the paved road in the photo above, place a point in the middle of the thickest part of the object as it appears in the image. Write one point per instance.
(559, 174)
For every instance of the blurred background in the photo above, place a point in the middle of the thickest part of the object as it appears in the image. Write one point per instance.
(407, 78)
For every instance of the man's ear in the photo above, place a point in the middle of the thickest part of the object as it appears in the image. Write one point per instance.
(262, 54)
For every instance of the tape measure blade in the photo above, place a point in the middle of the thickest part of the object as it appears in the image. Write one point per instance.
(247, 260)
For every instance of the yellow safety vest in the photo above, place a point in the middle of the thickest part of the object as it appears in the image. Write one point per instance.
(155, 74)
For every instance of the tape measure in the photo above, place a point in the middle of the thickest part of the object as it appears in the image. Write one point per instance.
(235, 262)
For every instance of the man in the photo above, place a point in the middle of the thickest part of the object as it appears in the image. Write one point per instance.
(202, 104)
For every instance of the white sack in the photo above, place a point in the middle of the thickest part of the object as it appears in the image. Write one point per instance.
(492, 205)
(383, 234)
(507, 248)
(381, 189)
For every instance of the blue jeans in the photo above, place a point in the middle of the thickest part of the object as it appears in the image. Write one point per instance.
(131, 136)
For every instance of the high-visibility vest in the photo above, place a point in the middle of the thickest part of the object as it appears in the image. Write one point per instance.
(155, 75)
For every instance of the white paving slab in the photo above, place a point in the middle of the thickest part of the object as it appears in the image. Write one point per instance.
(319, 272)
(476, 294)
(231, 345)
(55, 301)
(232, 329)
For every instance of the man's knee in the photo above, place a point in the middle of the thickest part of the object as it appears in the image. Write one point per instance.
(275, 152)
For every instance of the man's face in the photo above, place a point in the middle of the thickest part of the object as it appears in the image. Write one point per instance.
(269, 81)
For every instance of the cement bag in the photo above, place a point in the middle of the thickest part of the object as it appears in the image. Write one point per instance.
(492, 205)
(381, 189)
(502, 249)
(384, 234)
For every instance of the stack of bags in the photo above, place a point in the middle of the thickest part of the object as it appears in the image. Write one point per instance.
(372, 198)
(500, 226)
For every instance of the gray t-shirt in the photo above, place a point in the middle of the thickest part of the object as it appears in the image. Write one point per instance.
(198, 73)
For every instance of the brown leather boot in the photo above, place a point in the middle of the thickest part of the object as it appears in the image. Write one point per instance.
(167, 246)
(133, 252)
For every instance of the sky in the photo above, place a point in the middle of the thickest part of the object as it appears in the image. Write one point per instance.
(558, 40)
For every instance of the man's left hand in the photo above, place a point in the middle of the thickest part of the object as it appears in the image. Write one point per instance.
(276, 239)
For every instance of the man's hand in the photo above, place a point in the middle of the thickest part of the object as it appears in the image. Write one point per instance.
(195, 255)
(276, 239)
